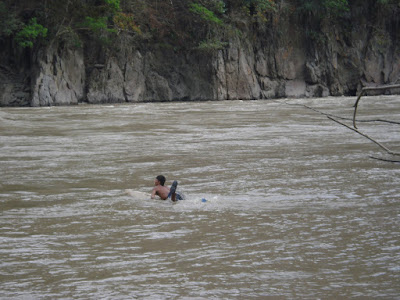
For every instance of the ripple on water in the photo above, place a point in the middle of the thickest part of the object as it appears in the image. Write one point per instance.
(295, 209)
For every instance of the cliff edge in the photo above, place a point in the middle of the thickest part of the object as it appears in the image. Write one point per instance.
(291, 55)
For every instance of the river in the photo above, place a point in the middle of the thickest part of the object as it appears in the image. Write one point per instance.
(296, 208)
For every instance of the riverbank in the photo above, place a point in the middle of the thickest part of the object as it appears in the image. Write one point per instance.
(288, 55)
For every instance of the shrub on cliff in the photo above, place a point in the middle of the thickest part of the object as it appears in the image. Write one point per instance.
(30, 33)
(178, 23)
(323, 8)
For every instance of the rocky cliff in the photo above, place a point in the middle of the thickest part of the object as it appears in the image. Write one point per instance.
(290, 58)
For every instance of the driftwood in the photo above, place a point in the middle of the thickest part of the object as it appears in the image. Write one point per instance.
(366, 136)
(335, 119)
(383, 159)
(366, 89)
(343, 118)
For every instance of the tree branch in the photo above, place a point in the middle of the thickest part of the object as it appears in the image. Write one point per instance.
(343, 118)
(366, 136)
(386, 160)
(364, 90)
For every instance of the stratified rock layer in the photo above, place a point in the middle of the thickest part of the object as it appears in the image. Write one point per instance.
(283, 61)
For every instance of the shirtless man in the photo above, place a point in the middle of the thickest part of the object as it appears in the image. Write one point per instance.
(163, 192)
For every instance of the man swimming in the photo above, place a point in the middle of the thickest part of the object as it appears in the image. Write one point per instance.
(164, 192)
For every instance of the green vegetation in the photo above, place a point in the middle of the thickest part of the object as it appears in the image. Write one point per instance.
(96, 24)
(260, 7)
(126, 22)
(204, 13)
(114, 5)
(387, 2)
(183, 24)
(336, 7)
(324, 8)
(30, 33)
(211, 45)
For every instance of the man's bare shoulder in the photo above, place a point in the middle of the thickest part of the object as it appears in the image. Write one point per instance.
(158, 188)
(162, 191)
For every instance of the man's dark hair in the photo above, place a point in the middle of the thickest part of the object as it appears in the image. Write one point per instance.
(161, 179)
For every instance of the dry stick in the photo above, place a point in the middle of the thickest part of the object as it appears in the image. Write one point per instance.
(387, 160)
(330, 116)
(378, 120)
(364, 135)
(385, 87)
(343, 118)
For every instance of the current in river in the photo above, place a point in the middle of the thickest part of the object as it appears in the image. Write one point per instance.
(295, 207)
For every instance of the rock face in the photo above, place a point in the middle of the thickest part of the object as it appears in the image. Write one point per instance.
(58, 77)
(131, 75)
(285, 60)
(14, 81)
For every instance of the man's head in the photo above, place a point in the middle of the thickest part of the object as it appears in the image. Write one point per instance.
(161, 179)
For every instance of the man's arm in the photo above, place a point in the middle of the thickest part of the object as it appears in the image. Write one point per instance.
(154, 193)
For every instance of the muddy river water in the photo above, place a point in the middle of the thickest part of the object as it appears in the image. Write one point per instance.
(296, 208)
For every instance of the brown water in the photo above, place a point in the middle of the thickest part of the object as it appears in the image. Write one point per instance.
(296, 208)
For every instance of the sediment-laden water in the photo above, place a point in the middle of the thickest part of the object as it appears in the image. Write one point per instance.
(295, 206)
